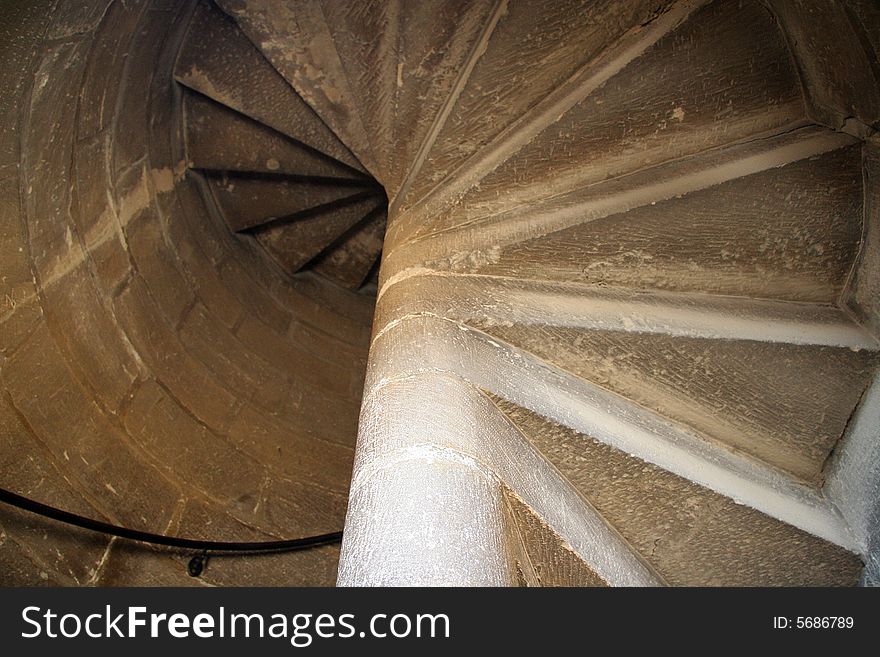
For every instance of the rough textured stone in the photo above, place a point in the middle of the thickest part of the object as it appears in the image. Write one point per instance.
(250, 201)
(862, 295)
(240, 369)
(235, 74)
(161, 371)
(504, 85)
(785, 404)
(84, 325)
(203, 460)
(294, 243)
(22, 24)
(722, 76)
(690, 535)
(157, 264)
(853, 480)
(299, 455)
(104, 70)
(160, 349)
(76, 17)
(830, 41)
(16, 279)
(201, 268)
(132, 118)
(221, 139)
(121, 481)
(47, 140)
(136, 373)
(404, 77)
(353, 255)
(73, 555)
(789, 233)
(335, 373)
(295, 38)
(95, 214)
(311, 336)
(256, 300)
(550, 560)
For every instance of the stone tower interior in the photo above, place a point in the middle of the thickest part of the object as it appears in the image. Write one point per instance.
(625, 331)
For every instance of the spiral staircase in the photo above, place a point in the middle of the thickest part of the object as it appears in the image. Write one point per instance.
(626, 325)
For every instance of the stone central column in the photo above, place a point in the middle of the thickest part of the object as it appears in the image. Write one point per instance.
(422, 509)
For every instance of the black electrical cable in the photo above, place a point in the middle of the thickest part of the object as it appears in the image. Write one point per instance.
(47, 511)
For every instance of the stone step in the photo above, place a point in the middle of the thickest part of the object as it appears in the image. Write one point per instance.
(721, 75)
(795, 158)
(295, 242)
(373, 276)
(786, 405)
(542, 557)
(221, 139)
(351, 258)
(383, 74)
(774, 380)
(420, 64)
(248, 200)
(484, 360)
(219, 61)
(688, 534)
(558, 45)
(294, 36)
(586, 307)
(791, 233)
(364, 38)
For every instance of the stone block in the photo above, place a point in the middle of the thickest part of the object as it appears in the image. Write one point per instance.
(86, 329)
(157, 344)
(96, 455)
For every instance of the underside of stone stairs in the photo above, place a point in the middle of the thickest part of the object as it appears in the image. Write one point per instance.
(582, 292)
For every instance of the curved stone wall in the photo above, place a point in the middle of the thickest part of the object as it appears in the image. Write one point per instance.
(157, 371)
